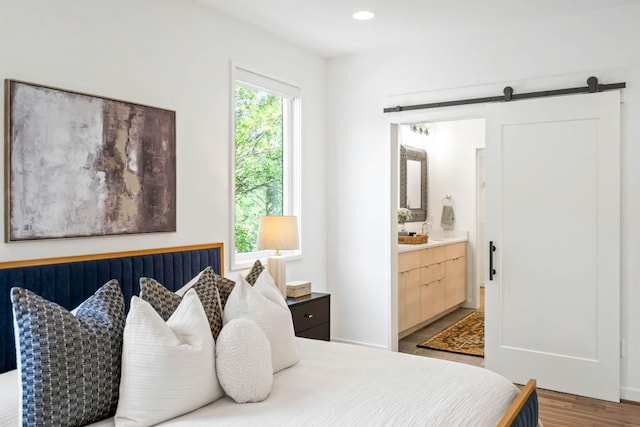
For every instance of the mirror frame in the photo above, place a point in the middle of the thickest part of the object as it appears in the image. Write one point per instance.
(412, 153)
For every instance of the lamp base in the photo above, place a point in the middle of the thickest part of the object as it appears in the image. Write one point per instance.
(277, 266)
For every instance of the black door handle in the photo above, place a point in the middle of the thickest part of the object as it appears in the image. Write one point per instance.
(492, 271)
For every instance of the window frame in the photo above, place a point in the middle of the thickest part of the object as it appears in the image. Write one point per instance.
(291, 163)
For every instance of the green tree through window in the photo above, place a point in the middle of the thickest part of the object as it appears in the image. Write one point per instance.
(258, 163)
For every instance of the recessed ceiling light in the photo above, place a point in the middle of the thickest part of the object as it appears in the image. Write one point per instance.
(363, 15)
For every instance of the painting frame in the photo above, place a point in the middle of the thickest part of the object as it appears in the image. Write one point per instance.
(81, 165)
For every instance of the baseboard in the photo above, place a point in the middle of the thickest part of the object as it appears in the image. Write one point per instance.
(630, 394)
(363, 344)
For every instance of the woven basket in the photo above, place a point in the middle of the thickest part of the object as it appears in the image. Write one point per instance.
(413, 240)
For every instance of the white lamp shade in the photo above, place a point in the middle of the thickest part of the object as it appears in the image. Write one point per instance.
(278, 232)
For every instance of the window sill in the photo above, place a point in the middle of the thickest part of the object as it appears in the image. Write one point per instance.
(246, 264)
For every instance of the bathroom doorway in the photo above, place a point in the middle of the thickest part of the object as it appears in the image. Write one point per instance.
(455, 168)
(455, 150)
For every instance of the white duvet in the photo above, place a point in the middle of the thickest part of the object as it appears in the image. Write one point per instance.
(345, 385)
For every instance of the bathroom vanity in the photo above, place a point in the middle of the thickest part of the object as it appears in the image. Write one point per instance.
(432, 281)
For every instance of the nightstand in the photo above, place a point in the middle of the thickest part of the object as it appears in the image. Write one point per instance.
(311, 316)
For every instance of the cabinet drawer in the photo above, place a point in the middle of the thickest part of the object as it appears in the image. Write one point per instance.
(438, 254)
(427, 274)
(455, 250)
(320, 332)
(310, 314)
(426, 257)
(408, 260)
(438, 271)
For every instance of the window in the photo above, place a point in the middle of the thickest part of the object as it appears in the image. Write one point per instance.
(266, 130)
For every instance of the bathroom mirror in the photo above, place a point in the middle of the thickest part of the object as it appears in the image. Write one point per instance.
(414, 182)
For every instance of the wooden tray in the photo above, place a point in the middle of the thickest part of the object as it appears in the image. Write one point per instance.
(413, 240)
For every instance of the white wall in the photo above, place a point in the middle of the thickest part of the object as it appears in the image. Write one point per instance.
(359, 152)
(171, 54)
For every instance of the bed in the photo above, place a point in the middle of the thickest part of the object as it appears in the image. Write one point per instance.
(332, 384)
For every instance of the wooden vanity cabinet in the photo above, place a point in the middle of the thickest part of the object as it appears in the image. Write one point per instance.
(430, 282)
(408, 288)
(456, 282)
(456, 274)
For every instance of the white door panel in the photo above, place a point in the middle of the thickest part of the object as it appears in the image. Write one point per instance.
(552, 309)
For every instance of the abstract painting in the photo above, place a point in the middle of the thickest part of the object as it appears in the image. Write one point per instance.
(80, 165)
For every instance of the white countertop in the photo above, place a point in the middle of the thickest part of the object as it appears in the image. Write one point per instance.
(437, 238)
(430, 244)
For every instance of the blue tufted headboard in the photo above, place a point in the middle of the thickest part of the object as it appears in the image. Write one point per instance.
(69, 281)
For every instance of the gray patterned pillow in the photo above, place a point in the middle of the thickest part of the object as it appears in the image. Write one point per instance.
(69, 365)
(254, 273)
(225, 286)
(165, 302)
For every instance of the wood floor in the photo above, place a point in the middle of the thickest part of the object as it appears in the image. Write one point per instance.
(556, 409)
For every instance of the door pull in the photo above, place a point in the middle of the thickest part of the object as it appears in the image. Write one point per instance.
(492, 271)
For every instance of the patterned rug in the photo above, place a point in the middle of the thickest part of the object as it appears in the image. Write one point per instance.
(466, 336)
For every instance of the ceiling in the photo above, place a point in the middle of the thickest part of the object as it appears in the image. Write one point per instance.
(326, 26)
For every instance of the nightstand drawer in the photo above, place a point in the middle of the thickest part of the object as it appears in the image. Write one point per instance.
(310, 314)
(320, 332)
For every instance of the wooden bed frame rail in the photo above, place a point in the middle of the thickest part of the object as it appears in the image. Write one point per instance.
(516, 406)
(122, 254)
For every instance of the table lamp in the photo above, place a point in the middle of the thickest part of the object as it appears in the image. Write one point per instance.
(278, 232)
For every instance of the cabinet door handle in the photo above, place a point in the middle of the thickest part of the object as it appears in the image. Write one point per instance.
(309, 316)
(492, 271)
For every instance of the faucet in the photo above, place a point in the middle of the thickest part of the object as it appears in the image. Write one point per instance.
(428, 224)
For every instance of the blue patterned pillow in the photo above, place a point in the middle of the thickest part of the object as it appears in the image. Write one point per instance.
(69, 365)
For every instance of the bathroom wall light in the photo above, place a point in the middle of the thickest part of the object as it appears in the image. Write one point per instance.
(422, 130)
(363, 15)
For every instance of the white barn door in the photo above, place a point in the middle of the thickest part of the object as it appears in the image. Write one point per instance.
(553, 214)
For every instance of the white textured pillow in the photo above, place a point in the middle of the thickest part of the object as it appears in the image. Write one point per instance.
(168, 369)
(267, 287)
(243, 361)
(247, 302)
(10, 397)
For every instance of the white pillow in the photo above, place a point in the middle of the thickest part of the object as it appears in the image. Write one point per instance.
(168, 369)
(247, 302)
(243, 361)
(267, 287)
(10, 397)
